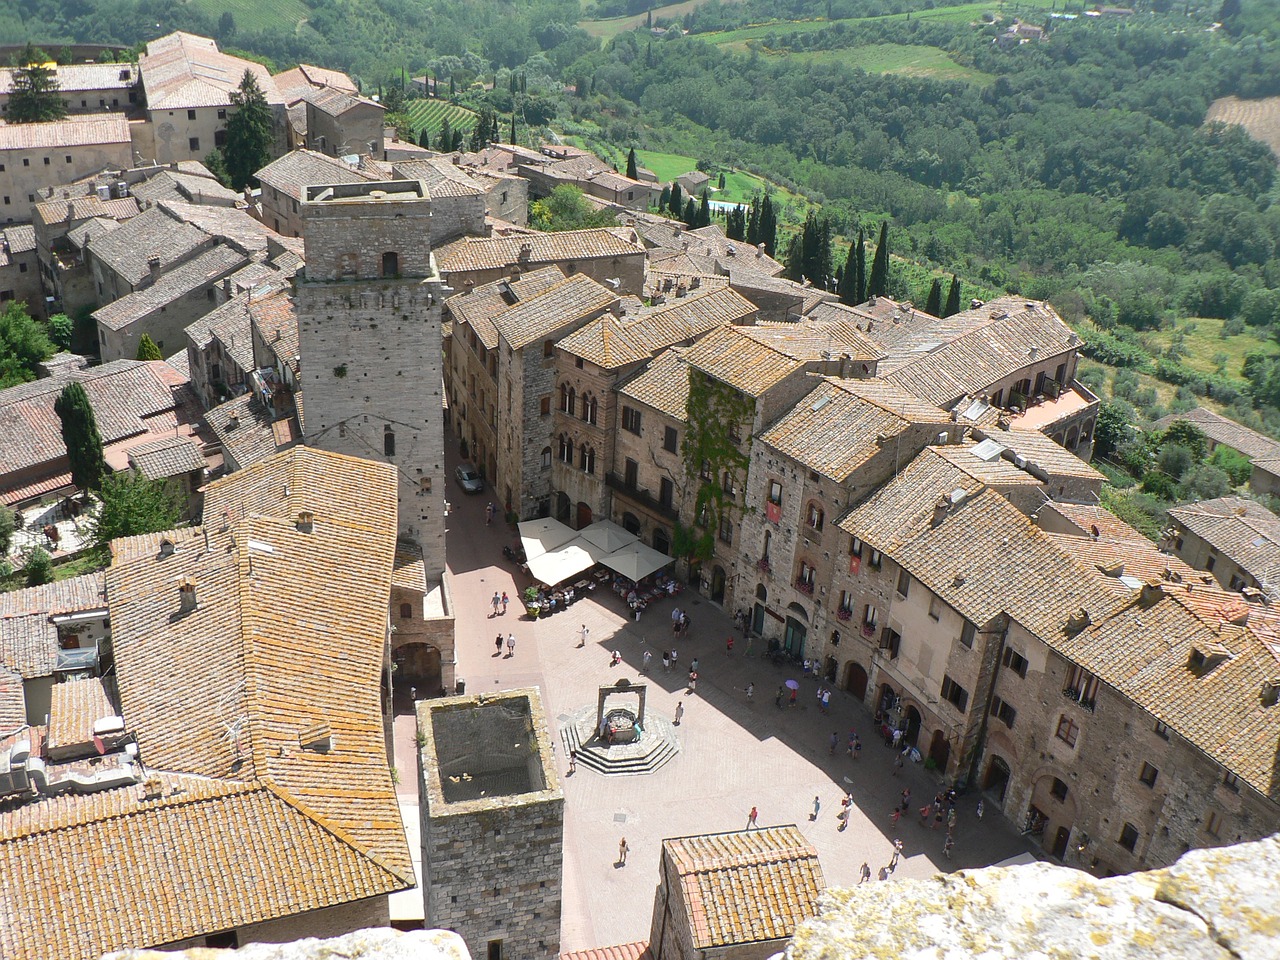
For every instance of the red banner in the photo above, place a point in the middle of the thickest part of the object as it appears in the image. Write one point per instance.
(855, 563)
(773, 511)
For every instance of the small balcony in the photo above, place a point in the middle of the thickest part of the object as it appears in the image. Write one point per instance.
(1077, 696)
(640, 495)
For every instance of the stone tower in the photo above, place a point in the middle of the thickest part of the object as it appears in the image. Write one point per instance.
(368, 306)
(492, 815)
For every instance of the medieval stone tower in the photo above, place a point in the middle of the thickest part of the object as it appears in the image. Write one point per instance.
(368, 307)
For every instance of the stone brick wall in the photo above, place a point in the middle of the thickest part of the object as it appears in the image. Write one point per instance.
(331, 922)
(20, 280)
(453, 217)
(1196, 552)
(358, 130)
(166, 324)
(21, 186)
(508, 199)
(653, 463)
(586, 381)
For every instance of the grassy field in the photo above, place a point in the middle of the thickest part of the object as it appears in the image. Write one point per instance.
(431, 114)
(739, 186)
(1203, 340)
(932, 62)
(607, 29)
(255, 15)
(1260, 118)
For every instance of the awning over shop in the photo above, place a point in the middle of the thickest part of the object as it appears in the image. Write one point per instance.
(565, 561)
(635, 560)
(607, 535)
(540, 536)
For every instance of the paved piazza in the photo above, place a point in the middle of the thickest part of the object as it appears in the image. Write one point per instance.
(734, 754)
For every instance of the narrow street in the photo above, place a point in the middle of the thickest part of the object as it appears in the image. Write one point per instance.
(735, 753)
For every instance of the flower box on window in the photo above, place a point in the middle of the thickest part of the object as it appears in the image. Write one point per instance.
(868, 630)
(844, 614)
(763, 564)
(804, 586)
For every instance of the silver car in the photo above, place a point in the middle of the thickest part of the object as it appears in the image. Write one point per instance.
(468, 479)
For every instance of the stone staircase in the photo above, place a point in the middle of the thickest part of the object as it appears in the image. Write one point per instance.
(658, 746)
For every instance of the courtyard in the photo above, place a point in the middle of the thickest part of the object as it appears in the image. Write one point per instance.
(735, 753)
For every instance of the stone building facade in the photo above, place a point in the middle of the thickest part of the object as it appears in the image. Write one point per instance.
(368, 307)
(492, 823)
(36, 156)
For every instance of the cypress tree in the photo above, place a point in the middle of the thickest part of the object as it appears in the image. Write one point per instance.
(446, 137)
(753, 222)
(513, 126)
(424, 138)
(794, 261)
(704, 211)
(249, 137)
(848, 276)
(720, 182)
(768, 226)
(457, 142)
(632, 167)
(676, 200)
(664, 200)
(690, 213)
(953, 297)
(147, 349)
(860, 270)
(934, 304)
(735, 223)
(81, 436)
(878, 282)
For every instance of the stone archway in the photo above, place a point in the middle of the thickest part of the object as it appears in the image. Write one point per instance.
(417, 665)
(855, 679)
(717, 584)
(912, 722)
(940, 750)
(996, 781)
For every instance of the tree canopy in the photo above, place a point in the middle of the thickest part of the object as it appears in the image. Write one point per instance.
(36, 95)
(249, 134)
(81, 436)
(24, 342)
(131, 505)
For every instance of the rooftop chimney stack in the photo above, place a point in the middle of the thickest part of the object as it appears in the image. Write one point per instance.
(187, 595)
(306, 521)
(153, 265)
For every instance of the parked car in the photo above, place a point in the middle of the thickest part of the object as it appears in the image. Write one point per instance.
(468, 479)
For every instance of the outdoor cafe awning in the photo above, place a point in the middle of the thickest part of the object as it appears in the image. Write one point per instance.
(565, 561)
(635, 560)
(607, 535)
(540, 536)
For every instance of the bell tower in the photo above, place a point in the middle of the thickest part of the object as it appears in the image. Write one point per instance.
(368, 305)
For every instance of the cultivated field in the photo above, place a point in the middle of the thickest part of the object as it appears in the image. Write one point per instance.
(605, 29)
(914, 61)
(1261, 118)
(256, 15)
(431, 115)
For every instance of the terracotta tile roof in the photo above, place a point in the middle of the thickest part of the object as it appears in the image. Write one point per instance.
(125, 395)
(181, 281)
(74, 707)
(571, 300)
(1227, 432)
(662, 385)
(443, 179)
(220, 855)
(183, 71)
(292, 83)
(747, 886)
(98, 128)
(1040, 451)
(841, 424)
(13, 702)
(231, 224)
(1242, 530)
(987, 464)
(28, 638)
(71, 209)
(173, 185)
(410, 570)
(479, 306)
(706, 243)
(1143, 650)
(612, 342)
(335, 103)
(967, 353)
(77, 77)
(276, 321)
(493, 253)
(79, 236)
(152, 233)
(302, 168)
(623, 951)
(167, 457)
(246, 430)
(18, 238)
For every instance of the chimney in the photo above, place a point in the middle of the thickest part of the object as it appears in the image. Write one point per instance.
(186, 595)
(940, 508)
(233, 422)
(71, 210)
(1077, 621)
(153, 265)
(526, 251)
(468, 286)
(226, 287)
(695, 283)
(306, 521)
(871, 300)
(516, 272)
(166, 547)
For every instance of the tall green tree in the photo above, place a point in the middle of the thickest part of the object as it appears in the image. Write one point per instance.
(633, 169)
(735, 223)
(860, 270)
(676, 201)
(8, 523)
(768, 225)
(704, 211)
(953, 297)
(933, 305)
(249, 136)
(24, 342)
(847, 275)
(81, 436)
(878, 282)
(38, 569)
(664, 199)
(445, 142)
(36, 96)
(132, 505)
(147, 349)
(690, 213)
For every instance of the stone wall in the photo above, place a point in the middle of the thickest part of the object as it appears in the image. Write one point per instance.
(1216, 903)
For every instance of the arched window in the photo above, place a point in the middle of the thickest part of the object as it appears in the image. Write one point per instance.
(390, 264)
(631, 523)
(388, 442)
(814, 518)
(564, 399)
(546, 458)
(573, 401)
(566, 450)
(588, 408)
(764, 552)
(588, 459)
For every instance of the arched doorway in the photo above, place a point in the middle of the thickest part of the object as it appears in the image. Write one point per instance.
(855, 679)
(417, 665)
(911, 733)
(996, 782)
(661, 541)
(757, 612)
(940, 750)
(563, 506)
(829, 670)
(793, 639)
(631, 523)
(717, 584)
(584, 515)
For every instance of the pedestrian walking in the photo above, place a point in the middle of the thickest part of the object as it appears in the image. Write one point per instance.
(684, 624)
(694, 665)
(817, 805)
(897, 852)
(573, 760)
(883, 874)
(511, 644)
(751, 692)
(831, 749)
(897, 764)
(505, 601)
(693, 681)
(675, 657)
(623, 850)
(857, 747)
(938, 816)
(666, 661)
(488, 513)
(616, 659)
(679, 712)
(675, 619)
(947, 846)
(906, 798)
(498, 643)
(750, 643)
(793, 697)
(951, 819)
(728, 645)
(819, 698)
(583, 634)
(896, 815)
(979, 810)
(864, 873)
(648, 656)
(826, 701)
(778, 699)
(751, 819)
(497, 600)
(852, 737)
